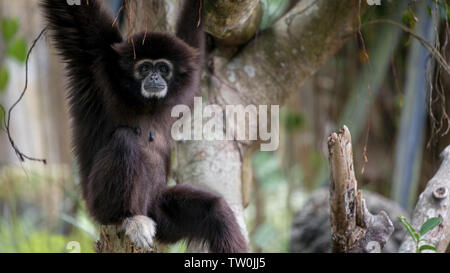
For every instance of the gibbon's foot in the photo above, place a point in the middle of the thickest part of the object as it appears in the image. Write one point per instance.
(141, 230)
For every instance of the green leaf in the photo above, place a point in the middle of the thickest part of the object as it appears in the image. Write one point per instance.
(427, 247)
(410, 229)
(9, 28)
(430, 13)
(18, 50)
(294, 121)
(409, 18)
(4, 78)
(430, 224)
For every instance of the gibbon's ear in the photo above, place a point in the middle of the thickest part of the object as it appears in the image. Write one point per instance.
(124, 49)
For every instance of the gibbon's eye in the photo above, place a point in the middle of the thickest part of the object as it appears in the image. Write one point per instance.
(145, 68)
(163, 68)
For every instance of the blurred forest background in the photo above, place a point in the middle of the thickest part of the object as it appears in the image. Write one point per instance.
(382, 84)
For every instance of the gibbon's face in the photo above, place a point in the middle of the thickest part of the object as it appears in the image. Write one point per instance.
(158, 68)
(154, 77)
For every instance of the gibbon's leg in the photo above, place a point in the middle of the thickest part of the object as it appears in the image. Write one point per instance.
(187, 212)
(118, 192)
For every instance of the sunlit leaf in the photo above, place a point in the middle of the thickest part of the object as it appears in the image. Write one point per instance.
(4, 78)
(427, 247)
(430, 224)
(430, 13)
(410, 19)
(9, 28)
(410, 229)
(18, 50)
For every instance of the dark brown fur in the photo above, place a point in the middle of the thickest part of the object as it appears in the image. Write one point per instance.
(123, 174)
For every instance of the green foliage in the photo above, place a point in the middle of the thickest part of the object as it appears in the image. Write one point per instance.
(266, 234)
(17, 239)
(9, 28)
(430, 224)
(179, 247)
(427, 247)
(409, 19)
(272, 234)
(294, 121)
(4, 78)
(25, 224)
(18, 50)
(409, 228)
(268, 171)
(16, 47)
(443, 8)
(426, 227)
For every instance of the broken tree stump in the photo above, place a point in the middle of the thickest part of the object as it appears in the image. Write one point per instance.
(353, 227)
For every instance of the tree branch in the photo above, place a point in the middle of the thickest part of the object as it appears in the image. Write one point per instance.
(427, 45)
(300, 42)
(232, 22)
(434, 202)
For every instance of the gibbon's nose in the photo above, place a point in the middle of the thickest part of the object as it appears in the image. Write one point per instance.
(154, 77)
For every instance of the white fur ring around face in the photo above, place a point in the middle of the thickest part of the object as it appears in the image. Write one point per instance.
(140, 230)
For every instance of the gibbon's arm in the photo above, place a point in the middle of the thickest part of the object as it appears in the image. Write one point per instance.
(83, 35)
(188, 28)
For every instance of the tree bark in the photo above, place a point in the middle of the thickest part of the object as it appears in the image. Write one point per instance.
(299, 42)
(114, 240)
(433, 202)
(353, 227)
(232, 22)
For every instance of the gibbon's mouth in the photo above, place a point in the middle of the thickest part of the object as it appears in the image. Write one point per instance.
(158, 91)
